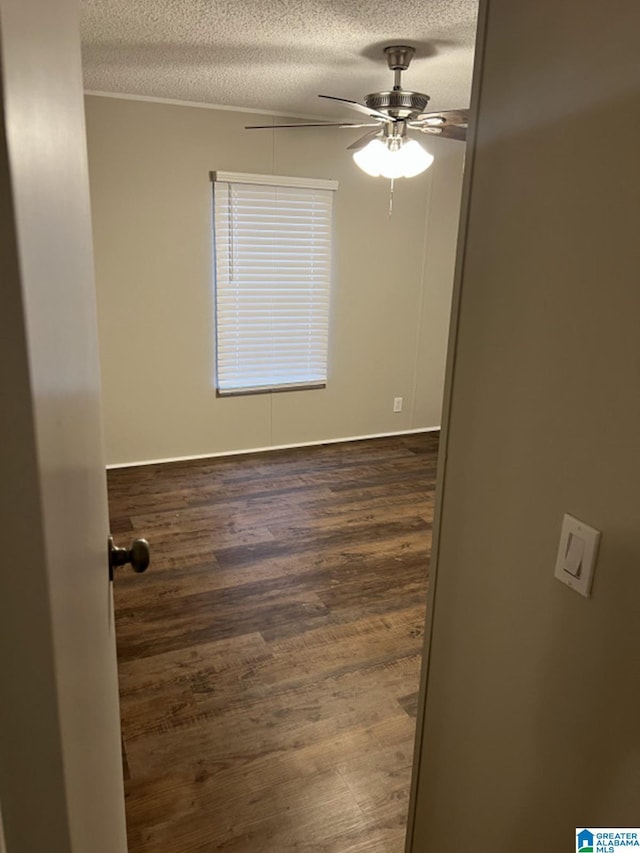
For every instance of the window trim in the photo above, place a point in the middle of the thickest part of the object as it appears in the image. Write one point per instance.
(275, 180)
(274, 389)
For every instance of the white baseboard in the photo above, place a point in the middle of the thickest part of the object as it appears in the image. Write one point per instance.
(247, 450)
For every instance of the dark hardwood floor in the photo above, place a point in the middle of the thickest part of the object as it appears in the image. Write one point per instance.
(269, 658)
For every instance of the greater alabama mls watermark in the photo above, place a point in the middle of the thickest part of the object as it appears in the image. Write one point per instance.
(606, 840)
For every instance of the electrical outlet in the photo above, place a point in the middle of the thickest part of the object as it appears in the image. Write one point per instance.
(397, 404)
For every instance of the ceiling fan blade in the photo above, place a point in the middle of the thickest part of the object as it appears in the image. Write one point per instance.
(447, 131)
(431, 121)
(449, 124)
(300, 124)
(458, 117)
(361, 108)
(364, 140)
(452, 131)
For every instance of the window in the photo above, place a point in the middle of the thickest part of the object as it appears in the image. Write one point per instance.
(272, 239)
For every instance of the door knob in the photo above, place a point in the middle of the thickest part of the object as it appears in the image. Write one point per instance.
(138, 555)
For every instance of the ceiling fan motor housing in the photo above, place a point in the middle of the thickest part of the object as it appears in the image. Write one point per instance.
(399, 56)
(398, 103)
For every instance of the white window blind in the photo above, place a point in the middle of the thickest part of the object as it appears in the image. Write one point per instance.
(273, 272)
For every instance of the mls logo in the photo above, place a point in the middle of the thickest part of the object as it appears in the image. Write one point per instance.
(584, 841)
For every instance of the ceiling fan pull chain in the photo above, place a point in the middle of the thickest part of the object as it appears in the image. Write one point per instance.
(391, 199)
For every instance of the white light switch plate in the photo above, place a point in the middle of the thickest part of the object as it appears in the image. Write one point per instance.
(576, 561)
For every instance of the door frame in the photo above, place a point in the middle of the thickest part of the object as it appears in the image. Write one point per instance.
(454, 324)
(61, 785)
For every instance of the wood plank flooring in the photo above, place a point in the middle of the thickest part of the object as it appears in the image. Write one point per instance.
(269, 658)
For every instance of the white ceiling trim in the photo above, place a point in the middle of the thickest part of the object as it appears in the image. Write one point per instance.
(203, 106)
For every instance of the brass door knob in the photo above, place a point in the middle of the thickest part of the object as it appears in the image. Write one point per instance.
(138, 555)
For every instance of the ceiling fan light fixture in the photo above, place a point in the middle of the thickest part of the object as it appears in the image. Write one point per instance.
(415, 159)
(391, 160)
(371, 158)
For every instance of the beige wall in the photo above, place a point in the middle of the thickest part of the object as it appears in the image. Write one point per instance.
(151, 201)
(533, 698)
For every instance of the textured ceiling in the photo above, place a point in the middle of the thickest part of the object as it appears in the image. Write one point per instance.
(276, 56)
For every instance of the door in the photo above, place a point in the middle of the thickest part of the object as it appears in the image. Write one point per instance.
(60, 767)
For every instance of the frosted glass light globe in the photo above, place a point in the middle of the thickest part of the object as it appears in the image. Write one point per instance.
(371, 157)
(408, 160)
(415, 158)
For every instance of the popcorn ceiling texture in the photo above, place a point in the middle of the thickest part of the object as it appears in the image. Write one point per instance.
(276, 56)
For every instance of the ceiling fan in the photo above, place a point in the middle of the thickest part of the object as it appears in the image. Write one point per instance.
(389, 149)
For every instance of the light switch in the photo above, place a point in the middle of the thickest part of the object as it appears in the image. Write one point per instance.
(577, 554)
(574, 555)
